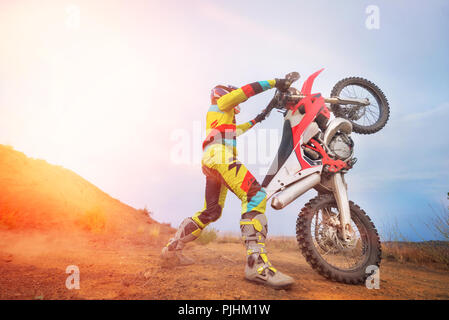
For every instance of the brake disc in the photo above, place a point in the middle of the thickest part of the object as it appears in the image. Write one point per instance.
(330, 237)
(355, 112)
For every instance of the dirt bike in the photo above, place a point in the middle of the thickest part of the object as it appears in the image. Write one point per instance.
(335, 235)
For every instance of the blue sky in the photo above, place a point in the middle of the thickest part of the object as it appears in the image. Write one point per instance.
(104, 99)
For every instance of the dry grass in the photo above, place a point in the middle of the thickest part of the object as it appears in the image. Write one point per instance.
(229, 237)
(438, 224)
(153, 233)
(397, 247)
(424, 253)
(145, 212)
(208, 235)
(155, 230)
(282, 243)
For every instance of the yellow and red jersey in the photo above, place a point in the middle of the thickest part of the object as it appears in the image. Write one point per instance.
(220, 120)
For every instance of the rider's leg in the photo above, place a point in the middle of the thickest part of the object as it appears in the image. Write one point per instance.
(253, 226)
(190, 228)
(253, 223)
(213, 204)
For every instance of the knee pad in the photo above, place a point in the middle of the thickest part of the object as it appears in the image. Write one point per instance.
(188, 231)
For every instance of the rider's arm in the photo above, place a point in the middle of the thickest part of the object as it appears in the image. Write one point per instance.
(233, 98)
(242, 128)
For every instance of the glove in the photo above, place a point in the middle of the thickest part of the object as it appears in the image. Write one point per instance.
(260, 117)
(282, 84)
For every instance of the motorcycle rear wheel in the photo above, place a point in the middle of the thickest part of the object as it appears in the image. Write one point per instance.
(317, 255)
(365, 120)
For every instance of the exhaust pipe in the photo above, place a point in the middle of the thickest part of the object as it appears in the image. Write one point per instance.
(292, 192)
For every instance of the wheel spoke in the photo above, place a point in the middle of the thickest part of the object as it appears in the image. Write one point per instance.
(365, 116)
(332, 249)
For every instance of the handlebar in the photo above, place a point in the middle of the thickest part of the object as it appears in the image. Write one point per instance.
(337, 100)
(280, 98)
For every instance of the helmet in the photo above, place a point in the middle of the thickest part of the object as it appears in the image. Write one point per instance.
(219, 91)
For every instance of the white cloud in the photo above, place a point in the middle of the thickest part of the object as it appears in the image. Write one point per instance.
(429, 114)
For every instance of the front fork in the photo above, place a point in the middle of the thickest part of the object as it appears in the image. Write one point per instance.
(341, 195)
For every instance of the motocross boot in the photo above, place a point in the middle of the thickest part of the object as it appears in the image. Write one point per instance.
(258, 269)
(172, 253)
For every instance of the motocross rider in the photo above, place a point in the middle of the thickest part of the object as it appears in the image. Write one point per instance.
(223, 171)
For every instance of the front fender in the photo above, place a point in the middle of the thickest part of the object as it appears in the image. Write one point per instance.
(337, 124)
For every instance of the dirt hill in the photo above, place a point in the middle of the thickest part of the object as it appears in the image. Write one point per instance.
(35, 195)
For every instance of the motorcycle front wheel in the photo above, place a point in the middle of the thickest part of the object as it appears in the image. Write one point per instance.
(365, 119)
(319, 239)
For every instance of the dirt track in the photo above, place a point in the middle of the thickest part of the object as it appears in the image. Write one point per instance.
(33, 267)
